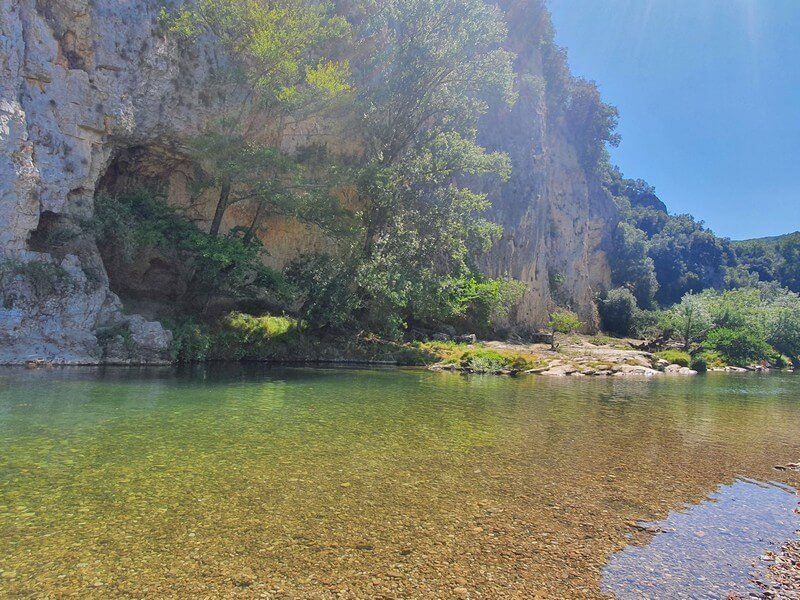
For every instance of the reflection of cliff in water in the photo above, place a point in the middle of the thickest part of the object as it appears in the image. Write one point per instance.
(707, 550)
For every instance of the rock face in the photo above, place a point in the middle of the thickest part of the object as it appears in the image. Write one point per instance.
(90, 87)
(557, 218)
(80, 82)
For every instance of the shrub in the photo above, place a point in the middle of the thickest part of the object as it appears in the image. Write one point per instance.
(328, 296)
(47, 279)
(245, 337)
(617, 311)
(707, 359)
(783, 326)
(563, 321)
(777, 360)
(483, 361)
(190, 341)
(486, 360)
(688, 321)
(257, 329)
(675, 357)
(739, 347)
(414, 356)
(646, 324)
(480, 304)
(239, 336)
(699, 363)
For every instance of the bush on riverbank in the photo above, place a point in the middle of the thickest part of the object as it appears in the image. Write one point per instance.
(485, 360)
(738, 327)
(238, 336)
(244, 337)
(675, 357)
(618, 311)
(739, 347)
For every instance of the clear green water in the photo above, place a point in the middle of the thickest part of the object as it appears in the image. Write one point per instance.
(295, 483)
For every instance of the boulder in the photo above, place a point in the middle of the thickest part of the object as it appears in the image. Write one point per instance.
(470, 338)
(559, 371)
(679, 370)
(634, 371)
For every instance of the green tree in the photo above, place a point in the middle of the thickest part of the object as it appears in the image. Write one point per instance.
(564, 322)
(665, 254)
(475, 304)
(735, 309)
(431, 69)
(631, 265)
(689, 320)
(783, 326)
(591, 123)
(738, 346)
(758, 258)
(788, 270)
(327, 299)
(688, 258)
(273, 68)
(618, 311)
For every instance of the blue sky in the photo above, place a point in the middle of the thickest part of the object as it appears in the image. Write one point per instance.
(709, 100)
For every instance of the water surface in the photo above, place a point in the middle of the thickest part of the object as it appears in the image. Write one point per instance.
(703, 550)
(294, 483)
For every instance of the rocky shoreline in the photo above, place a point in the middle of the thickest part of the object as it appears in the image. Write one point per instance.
(577, 356)
(779, 575)
(782, 578)
(582, 358)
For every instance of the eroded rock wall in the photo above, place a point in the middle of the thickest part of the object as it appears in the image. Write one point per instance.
(557, 218)
(80, 80)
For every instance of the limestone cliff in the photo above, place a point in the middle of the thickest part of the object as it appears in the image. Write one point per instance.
(92, 92)
(556, 216)
(80, 82)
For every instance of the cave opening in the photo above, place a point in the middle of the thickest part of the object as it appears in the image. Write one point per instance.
(151, 280)
(49, 235)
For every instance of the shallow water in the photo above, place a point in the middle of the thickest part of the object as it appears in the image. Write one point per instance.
(254, 482)
(702, 550)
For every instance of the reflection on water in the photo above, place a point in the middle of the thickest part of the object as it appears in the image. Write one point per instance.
(297, 483)
(707, 550)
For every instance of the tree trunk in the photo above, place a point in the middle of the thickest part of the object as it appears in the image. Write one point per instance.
(251, 231)
(222, 205)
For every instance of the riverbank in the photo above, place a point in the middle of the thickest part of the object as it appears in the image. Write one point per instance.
(576, 355)
(782, 578)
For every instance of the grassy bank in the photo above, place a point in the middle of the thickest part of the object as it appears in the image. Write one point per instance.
(283, 339)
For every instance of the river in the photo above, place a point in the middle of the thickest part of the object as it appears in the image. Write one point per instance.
(256, 482)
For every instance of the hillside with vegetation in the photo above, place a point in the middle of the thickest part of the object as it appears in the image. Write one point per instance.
(727, 302)
(303, 180)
